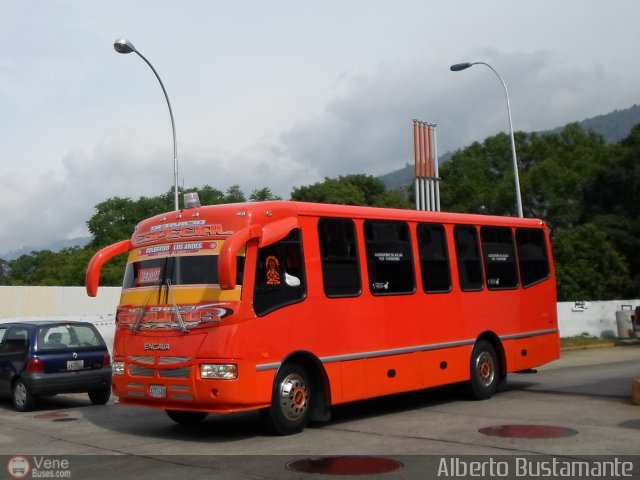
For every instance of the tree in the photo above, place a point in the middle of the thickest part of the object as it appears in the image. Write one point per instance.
(5, 272)
(612, 201)
(262, 195)
(588, 267)
(554, 170)
(210, 196)
(116, 218)
(234, 195)
(480, 178)
(557, 169)
(350, 190)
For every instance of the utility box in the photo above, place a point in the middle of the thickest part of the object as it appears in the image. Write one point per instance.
(623, 321)
(635, 321)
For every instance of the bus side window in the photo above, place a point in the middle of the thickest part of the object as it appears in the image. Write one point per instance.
(280, 279)
(339, 256)
(468, 254)
(532, 256)
(499, 258)
(434, 258)
(389, 258)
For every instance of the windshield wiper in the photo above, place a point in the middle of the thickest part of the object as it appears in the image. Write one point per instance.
(176, 310)
(135, 328)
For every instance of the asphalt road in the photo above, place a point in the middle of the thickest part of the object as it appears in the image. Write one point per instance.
(584, 398)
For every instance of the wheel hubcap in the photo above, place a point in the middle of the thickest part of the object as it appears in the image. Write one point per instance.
(20, 394)
(485, 368)
(294, 395)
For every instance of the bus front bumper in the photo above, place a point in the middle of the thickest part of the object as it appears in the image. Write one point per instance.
(184, 388)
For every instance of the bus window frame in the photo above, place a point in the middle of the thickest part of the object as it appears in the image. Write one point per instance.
(514, 257)
(545, 247)
(474, 228)
(442, 227)
(358, 269)
(410, 260)
(279, 288)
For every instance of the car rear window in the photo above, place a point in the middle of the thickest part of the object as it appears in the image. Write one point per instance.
(52, 337)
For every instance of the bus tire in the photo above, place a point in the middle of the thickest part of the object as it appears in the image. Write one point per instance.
(485, 371)
(291, 401)
(184, 417)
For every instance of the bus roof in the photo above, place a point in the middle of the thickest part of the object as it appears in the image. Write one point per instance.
(234, 216)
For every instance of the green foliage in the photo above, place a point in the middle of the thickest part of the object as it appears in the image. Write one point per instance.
(480, 179)
(588, 266)
(350, 190)
(556, 168)
(262, 195)
(63, 268)
(4, 272)
(116, 218)
(234, 195)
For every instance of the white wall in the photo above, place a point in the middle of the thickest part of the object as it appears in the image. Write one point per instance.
(72, 303)
(596, 318)
(61, 303)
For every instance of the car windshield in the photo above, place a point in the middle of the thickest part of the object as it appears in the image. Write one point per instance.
(52, 337)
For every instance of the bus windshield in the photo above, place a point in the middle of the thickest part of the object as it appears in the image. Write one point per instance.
(201, 268)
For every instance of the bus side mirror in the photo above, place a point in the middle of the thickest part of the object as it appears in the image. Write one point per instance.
(92, 277)
(227, 261)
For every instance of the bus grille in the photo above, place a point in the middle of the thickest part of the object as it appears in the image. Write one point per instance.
(183, 372)
(170, 360)
(146, 359)
(136, 371)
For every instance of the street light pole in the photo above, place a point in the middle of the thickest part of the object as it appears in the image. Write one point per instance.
(122, 45)
(463, 66)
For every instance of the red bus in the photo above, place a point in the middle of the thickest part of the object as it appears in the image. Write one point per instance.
(290, 308)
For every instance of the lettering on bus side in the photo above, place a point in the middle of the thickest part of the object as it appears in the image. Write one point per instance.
(179, 233)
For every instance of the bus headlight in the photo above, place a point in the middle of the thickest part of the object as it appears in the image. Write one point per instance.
(117, 368)
(219, 371)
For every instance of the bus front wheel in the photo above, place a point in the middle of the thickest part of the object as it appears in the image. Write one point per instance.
(291, 401)
(485, 371)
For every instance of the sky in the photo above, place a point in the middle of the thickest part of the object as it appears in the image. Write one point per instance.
(278, 93)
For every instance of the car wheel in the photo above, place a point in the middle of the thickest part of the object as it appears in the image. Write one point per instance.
(23, 401)
(184, 417)
(291, 402)
(100, 397)
(485, 371)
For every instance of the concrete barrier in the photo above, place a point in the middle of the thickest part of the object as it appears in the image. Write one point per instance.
(597, 319)
(61, 303)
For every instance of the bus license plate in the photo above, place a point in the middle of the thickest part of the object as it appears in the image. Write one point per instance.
(75, 364)
(157, 391)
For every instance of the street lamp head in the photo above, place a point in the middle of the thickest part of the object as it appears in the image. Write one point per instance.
(460, 66)
(122, 45)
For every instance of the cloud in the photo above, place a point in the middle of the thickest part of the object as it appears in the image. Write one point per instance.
(368, 128)
(365, 128)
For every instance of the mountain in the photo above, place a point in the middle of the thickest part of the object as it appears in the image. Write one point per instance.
(613, 127)
(54, 246)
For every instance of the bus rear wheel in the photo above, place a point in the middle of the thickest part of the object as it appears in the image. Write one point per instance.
(485, 371)
(184, 417)
(291, 401)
